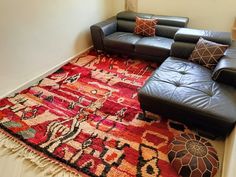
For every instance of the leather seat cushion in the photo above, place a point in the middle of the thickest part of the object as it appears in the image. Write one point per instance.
(121, 40)
(185, 88)
(156, 46)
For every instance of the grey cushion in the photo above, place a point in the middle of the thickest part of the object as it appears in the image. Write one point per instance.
(121, 40)
(156, 46)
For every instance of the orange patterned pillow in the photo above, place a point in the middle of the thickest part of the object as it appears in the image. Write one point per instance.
(145, 27)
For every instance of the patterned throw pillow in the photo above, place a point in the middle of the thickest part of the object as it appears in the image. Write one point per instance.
(145, 27)
(207, 53)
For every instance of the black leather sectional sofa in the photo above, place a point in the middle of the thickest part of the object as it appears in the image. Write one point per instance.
(190, 93)
(117, 35)
(178, 89)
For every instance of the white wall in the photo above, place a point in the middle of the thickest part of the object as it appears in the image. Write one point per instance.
(36, 35)
(229, 169)
(118, 6)
(216, 15)
(131, 5)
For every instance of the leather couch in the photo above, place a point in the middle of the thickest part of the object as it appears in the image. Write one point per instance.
(178, 89)
(193, 94)
(117, 35)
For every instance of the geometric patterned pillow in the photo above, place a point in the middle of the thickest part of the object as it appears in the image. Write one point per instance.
(145, 27)
(207, 53)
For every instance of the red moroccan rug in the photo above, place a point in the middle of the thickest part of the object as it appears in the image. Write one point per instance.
(87, 116)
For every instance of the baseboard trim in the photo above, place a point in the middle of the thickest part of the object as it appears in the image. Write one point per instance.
(43, 75)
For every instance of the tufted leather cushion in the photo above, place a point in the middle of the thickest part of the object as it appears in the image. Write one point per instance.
(121, 40)
(157, 46)
(186, 92)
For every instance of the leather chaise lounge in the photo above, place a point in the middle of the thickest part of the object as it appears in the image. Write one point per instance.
(117, 35)
(178, 89)
(185, 91)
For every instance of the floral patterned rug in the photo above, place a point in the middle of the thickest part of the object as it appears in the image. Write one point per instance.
(87, 116)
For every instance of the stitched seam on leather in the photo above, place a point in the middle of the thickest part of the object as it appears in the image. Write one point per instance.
(176, 87)
(163, 69)
(173, 93)
(183, 86)
(182, 74)
(180, 80)
(167, 70)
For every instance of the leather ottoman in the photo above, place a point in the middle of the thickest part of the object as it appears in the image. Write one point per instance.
(185, 91)
(193, 156)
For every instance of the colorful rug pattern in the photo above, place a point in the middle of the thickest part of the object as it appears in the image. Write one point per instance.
(87, 116)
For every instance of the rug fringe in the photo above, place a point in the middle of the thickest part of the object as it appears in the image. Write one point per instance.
(49, 167)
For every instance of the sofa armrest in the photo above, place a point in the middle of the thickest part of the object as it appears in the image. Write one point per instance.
(225, 70)
(102, 29)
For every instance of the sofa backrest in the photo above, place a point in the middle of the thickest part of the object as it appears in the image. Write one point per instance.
(167, 25)
(186, 39)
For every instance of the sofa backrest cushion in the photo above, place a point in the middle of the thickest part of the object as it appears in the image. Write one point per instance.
(186, 39)
(193, 35)
(125, 25)
(182, 49)
(166, 31)
(167, 26)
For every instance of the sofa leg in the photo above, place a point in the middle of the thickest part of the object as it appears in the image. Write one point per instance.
(206, 134)
(144, 113)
